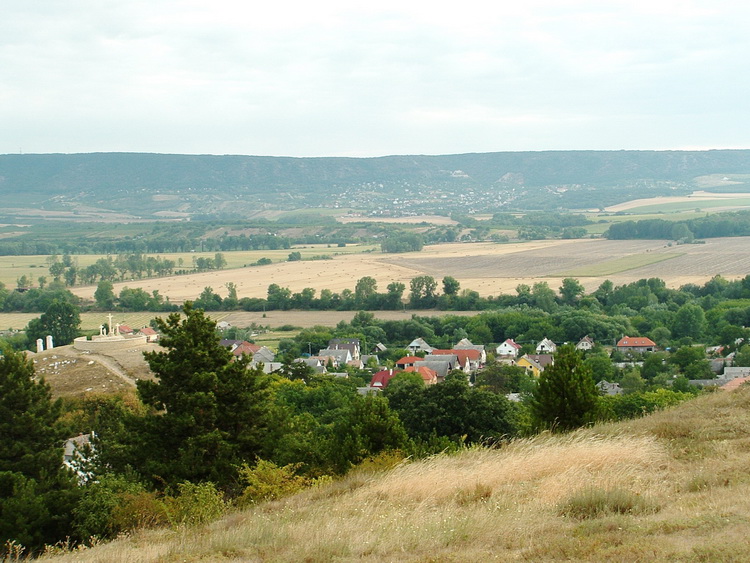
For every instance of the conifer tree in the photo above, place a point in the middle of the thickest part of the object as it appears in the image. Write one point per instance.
(209, 409)
(36, 491)
(566, 397)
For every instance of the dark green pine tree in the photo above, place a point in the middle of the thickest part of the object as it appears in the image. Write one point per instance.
(36, 492)
(210, 411)
(566, 397)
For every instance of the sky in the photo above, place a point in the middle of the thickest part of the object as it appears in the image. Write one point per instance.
(345, 78)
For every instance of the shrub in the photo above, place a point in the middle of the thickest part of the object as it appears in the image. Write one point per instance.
(195, 504)
(140, 510)
(267, 481)
(593, 502)
(94, 516)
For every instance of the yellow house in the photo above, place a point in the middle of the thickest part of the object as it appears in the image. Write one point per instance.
(535, 363)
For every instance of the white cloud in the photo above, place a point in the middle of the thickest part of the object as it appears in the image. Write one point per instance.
(389, 77)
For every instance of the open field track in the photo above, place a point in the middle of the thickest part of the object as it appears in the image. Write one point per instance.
(487, 268)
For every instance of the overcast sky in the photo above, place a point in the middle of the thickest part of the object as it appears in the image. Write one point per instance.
(338, 78)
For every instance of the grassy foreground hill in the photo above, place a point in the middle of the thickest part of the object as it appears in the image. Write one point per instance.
(673, 486)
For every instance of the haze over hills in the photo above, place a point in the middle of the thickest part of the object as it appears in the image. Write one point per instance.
(156, 185)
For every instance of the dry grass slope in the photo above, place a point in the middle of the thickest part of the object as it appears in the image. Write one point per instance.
(673, 486)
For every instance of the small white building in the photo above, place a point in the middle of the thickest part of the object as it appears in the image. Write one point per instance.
(585, 343)
(508, 349)
(546, 346)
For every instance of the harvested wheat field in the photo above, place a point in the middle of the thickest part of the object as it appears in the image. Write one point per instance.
(487, 268)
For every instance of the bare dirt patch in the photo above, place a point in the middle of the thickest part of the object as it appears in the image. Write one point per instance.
(70, 372)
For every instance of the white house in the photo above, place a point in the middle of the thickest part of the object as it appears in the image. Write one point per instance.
(546, 346)
(508, 349)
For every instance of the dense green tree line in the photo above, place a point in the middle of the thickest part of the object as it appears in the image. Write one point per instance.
(734, 224)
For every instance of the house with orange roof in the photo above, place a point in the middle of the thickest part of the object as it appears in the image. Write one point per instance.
(407, 361)
(429, 376)
(150, 334)
(465, 344)
(635, 344)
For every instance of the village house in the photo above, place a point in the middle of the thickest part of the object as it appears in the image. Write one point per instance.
(150, 334)
(635, 344)
(468, 360)
(450, 359)
(316, 364)
(77, 454)
(419, 345)
(441, 365)
(465, 344)
(341, 356)
(407, 361)
(351, 344)
(535, 363)
(508, 349)
(585, 343)
(609, 389)
(546, 346)
(428, 375)
(381, 379)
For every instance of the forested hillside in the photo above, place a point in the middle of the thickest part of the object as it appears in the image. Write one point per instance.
(144, 184)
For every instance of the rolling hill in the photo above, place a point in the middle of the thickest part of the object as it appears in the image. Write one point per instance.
(152, 185)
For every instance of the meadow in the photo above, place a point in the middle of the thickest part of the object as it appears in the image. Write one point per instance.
(672, 486)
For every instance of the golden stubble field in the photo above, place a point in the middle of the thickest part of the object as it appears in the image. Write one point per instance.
(487, 268)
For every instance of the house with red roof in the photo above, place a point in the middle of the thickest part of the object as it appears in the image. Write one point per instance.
(381, 379)
(508, 349)
(408, 361)
(247, 348)
(150, 334)
(636, 344)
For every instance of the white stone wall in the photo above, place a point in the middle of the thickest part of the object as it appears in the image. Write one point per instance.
(104, 344)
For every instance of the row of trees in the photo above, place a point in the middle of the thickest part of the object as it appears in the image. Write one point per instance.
(122, 266)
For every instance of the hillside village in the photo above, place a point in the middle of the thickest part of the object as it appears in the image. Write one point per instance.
(433, 365)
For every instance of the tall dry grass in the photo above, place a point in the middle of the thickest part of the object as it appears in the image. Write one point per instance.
(674, 486)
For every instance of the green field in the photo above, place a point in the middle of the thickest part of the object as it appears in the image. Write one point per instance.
(617, 265)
